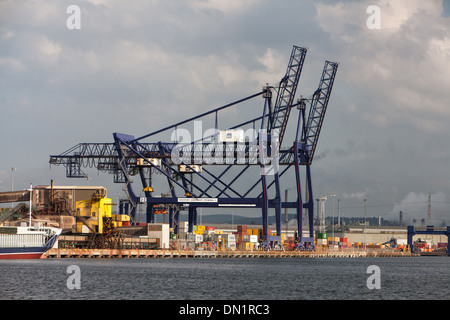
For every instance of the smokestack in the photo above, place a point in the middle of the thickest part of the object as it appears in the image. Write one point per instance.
(401, 218)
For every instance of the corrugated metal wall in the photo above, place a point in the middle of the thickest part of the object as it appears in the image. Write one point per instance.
(21, 240)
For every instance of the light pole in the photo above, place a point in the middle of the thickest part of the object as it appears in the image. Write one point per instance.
(365, 211)
(332, 221)
(12, 182)
(339, 213)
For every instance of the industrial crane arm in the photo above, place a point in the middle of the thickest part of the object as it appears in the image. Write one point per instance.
(319, 105)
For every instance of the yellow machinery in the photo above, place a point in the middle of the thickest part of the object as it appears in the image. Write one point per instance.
(95, 214)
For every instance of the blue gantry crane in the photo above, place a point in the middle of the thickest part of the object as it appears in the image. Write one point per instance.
(229, 164)
(429, 230)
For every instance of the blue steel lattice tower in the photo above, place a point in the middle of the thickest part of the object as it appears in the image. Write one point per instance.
(220, 184)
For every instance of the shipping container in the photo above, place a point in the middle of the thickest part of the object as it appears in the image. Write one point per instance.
(198, 238)
(242, 229)
(226, 236)
(250, 238)
(246, 246)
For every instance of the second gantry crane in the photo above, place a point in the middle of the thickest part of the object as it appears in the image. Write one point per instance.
(228, 164)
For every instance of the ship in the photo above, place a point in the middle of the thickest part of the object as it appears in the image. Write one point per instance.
(25, 242)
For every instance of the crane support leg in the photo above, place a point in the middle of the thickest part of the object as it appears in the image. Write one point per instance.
(149, 207)
(310, 202)
(263, 139)
(171, 219)
(174, 219)
(265, 206)
(299, 191)
(277, 204)
(192, 218)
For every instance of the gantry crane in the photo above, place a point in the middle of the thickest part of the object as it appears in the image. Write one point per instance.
(223, 162)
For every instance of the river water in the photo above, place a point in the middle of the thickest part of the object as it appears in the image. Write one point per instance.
(226, 279)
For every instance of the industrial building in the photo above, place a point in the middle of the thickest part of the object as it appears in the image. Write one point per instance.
(51, 204)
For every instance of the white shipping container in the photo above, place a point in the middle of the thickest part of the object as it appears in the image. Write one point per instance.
(250, 238)
(230, 237)
(231, 244)
(198, 238)
(226, 236)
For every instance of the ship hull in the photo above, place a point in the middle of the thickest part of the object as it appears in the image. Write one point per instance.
(21, 253)
(27, 252)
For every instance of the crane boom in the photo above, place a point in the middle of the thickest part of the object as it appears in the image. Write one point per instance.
(287, 88)
(318, 108)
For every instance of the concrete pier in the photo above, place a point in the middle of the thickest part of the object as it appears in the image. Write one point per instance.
(131, 253)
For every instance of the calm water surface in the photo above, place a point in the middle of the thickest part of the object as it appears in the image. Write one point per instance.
(227, 279)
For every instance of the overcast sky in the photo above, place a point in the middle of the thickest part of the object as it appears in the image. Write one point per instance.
(136, 66)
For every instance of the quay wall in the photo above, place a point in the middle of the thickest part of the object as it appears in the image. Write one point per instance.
(142, 253)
